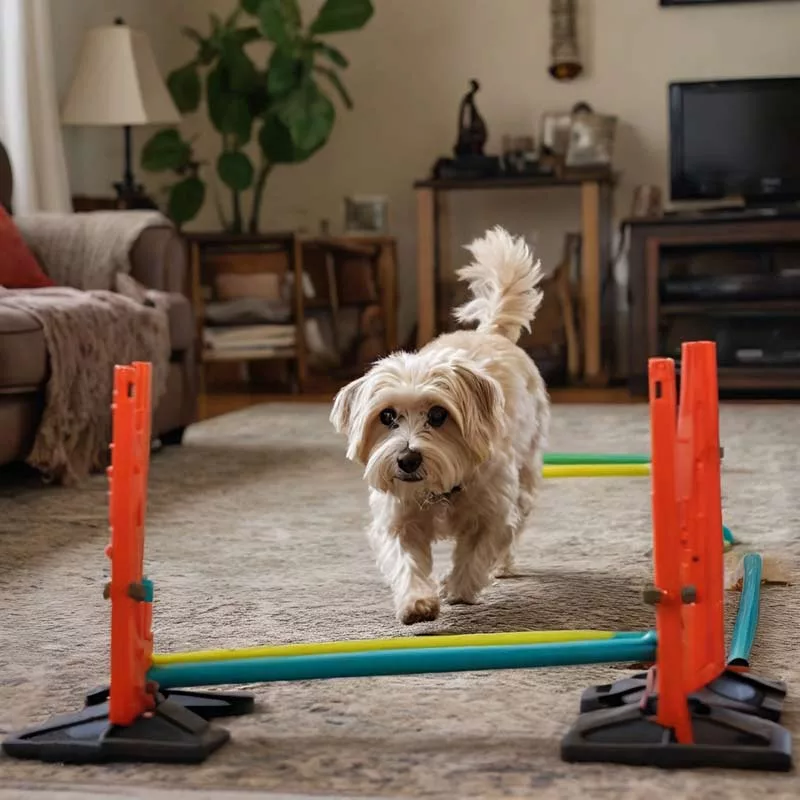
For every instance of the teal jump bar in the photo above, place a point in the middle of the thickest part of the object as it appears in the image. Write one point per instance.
(744, 630)
(404, 662)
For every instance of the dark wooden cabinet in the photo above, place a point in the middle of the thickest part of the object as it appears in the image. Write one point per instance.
(731, 277)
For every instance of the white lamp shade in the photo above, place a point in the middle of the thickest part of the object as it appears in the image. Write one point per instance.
(117, 82)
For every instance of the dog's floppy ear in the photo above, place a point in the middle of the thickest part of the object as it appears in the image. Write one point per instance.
(478, 402)
(481, 410)
(349, 416)
(342, 412)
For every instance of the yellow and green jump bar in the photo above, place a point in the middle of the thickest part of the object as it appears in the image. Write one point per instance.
(595, 465)
(405, 656)
(406, 643)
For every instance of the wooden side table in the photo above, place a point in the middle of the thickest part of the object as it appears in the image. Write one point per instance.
(596, 218)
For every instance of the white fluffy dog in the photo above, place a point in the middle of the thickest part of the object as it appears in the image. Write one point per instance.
(451, 438)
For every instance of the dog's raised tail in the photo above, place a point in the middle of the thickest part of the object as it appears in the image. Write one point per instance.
(504, 281)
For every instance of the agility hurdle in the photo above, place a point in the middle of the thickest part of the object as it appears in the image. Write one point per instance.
(144, 715)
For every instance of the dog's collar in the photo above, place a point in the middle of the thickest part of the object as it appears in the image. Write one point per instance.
(444, 496)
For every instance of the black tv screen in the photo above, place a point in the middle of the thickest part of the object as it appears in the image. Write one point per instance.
(735, 138)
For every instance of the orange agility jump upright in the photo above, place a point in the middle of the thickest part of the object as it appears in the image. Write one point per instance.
(689, 709)
(130, 594)
(132, 719)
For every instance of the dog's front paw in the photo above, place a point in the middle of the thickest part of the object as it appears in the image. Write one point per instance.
(418, 609)
(506, 571)
(461, 598)
(458, 594)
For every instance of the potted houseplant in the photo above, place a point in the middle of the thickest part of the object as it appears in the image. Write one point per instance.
(266, 114)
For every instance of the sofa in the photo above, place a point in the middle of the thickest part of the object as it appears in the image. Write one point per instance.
(158, 260)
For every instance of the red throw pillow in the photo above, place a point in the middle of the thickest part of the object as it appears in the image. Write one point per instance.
(19, 268)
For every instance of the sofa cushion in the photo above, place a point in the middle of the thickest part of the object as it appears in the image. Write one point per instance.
(23, 355)
(19, 268)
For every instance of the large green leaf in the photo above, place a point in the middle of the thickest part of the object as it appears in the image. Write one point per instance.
(308, 114)
(337, 84)
(291, 14)
(239, 120)
(185, 88)
(285, 72)
(258, 99)
(342, 15)
(280, 20)
(273, 22)
(241, 72)
(251, 6)
(235, 170)
(186, 198)
(334, 55)
(276, 142)
(165, 151)
(228, 110)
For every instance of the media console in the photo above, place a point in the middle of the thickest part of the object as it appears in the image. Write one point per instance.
(732, 277)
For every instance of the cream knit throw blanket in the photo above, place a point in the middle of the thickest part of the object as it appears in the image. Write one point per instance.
(86, 251)
(88, 329)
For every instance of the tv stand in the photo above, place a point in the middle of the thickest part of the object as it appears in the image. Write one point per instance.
(732, 276)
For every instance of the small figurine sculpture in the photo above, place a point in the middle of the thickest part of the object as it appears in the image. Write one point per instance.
(472, 132)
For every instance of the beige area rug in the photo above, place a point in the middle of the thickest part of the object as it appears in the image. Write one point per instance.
(255, 536)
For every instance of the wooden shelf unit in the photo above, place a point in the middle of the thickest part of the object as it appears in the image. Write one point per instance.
(278, 253)
(324, 261)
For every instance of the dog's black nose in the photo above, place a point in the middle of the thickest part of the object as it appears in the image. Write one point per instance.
(409, 460)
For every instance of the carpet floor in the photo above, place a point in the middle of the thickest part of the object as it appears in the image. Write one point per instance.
(255, 536)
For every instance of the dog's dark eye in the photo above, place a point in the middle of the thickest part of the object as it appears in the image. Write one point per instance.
(388, 417)
(437, 416)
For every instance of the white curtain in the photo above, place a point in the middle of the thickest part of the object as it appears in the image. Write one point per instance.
(29, 120)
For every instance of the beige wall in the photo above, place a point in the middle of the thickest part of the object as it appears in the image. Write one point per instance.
(411, 66)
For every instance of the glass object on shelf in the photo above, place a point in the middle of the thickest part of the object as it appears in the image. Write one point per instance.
(591, 138)
(366, 214)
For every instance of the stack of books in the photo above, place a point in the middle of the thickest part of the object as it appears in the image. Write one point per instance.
(236, 340)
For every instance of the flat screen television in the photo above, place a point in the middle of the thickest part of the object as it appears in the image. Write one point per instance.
(735, 138)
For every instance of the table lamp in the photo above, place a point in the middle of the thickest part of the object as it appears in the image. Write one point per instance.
(117, 83)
